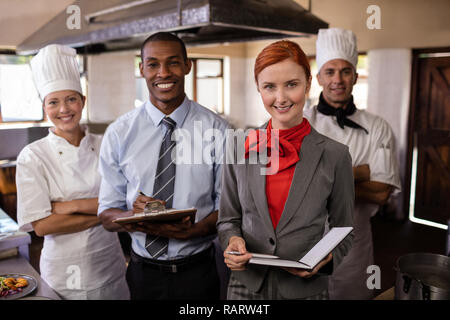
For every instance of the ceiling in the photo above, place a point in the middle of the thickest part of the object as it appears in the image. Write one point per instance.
(406, 23)
(21, 18)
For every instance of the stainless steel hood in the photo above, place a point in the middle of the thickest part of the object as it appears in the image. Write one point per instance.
(110, 25)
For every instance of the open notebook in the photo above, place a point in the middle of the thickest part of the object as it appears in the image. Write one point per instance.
(313, 257)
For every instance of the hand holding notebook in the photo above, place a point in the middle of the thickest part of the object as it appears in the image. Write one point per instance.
(312, 258)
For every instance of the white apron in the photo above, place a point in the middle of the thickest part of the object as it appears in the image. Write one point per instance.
(82, 265)
(87, 273)
(377, 149)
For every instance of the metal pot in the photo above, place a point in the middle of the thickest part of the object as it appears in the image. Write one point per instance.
(422, 276)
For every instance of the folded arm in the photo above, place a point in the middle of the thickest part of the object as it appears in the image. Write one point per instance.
(33, 199)
(63, 224)
(361, 173)
(369, 191)
(83, 206)
(373, 192)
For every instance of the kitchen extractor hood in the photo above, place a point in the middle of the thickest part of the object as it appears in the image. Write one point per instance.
(110, 25)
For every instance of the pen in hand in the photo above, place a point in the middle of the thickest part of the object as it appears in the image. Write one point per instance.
(155, 204)
(235, 253)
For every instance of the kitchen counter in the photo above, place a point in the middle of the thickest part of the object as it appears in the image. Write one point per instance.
(19, 264)
(14, 243)
(10, 237)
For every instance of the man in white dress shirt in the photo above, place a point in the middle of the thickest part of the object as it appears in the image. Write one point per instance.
(131, 163)
(372, 147)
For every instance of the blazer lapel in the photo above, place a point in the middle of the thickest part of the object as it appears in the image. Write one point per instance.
(305, 168)
(257, 185)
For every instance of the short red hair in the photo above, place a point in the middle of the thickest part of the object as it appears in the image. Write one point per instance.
(279, 51)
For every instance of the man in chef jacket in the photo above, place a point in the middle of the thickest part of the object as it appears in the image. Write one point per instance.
(371, 144)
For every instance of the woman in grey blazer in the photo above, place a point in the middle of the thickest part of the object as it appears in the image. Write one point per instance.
(284, 212)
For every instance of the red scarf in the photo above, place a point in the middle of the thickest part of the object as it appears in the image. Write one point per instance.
(289, 142)
(289, 145)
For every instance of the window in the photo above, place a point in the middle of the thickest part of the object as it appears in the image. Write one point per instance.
(141, 85)
(360, 89)
(204, 84)
(84, 85)
(19, 99)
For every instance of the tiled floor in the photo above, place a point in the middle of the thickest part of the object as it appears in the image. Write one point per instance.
(392, 239)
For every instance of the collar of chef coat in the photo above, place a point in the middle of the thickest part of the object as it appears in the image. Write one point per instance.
(61, 142)
(178, 115)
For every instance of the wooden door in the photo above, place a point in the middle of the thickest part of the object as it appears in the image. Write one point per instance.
(430, 134)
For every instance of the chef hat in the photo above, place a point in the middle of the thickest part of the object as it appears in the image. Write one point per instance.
(55, 68)
(336, 43)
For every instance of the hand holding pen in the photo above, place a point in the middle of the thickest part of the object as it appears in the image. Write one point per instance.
(142, 200)
(181, 230)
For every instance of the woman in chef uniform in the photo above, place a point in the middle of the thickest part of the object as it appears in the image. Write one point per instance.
(57, 189)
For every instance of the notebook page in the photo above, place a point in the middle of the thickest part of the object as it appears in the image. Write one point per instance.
(325, 245)
(279, 263)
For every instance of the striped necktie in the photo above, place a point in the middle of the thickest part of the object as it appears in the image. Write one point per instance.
(163, 187)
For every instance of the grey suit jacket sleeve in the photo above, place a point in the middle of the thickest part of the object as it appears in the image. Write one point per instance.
(230, 212)
(341, 204)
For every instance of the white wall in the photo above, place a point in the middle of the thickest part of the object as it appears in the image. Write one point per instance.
(234, 91)
(404, 23)
(111, 90)
(256, 113)
(389, 97)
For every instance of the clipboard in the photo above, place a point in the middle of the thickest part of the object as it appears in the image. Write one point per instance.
(168, 215)
(155, 212)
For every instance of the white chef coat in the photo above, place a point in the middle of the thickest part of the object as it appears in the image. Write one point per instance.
(377, 149)
(83, 265)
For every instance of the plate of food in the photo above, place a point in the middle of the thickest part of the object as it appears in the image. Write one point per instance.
(15, 286)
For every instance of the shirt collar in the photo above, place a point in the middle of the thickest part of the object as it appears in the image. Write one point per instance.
(178, 115)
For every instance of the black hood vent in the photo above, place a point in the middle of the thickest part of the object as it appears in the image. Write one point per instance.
(111, 25)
